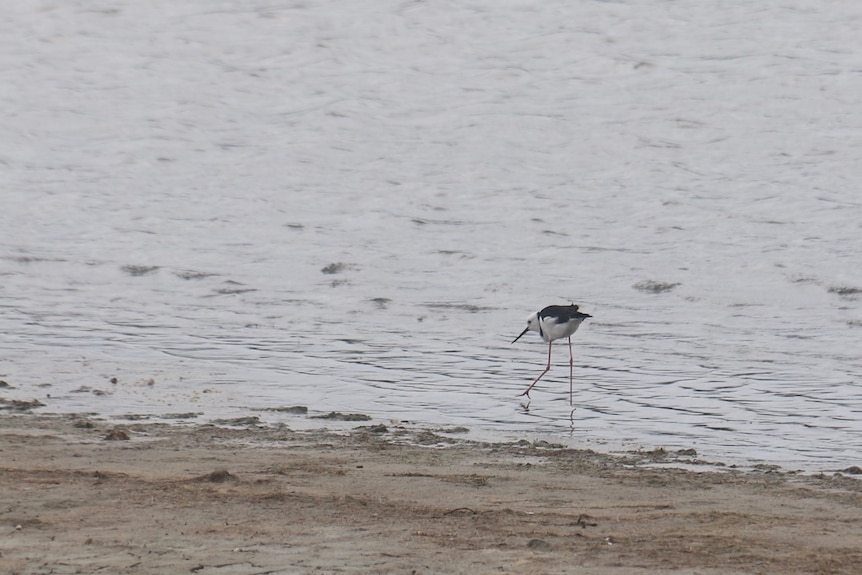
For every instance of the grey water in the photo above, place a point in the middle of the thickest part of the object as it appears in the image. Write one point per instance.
(233, 206)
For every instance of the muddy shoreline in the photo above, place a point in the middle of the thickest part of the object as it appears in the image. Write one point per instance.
(81, 495)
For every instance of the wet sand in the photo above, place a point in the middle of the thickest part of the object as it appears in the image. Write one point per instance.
(394, 499)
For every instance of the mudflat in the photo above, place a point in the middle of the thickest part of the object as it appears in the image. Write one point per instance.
(80, 495)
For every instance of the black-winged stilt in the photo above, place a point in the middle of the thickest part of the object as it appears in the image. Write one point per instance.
(553, 323)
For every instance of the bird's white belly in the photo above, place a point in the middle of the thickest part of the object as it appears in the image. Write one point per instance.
(552, 330)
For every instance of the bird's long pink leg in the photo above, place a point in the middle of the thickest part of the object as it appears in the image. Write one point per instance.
(535, 381)
(571, 370)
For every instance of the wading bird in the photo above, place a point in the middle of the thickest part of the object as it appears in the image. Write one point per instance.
(553, 323)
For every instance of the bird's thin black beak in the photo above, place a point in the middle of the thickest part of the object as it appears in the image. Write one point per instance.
(526, 329)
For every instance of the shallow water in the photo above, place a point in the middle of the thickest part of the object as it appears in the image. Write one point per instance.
(230, 206)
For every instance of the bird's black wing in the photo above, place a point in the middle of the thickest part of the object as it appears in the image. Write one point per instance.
(563, 313)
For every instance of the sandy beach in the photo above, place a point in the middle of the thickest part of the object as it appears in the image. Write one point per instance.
(80, 495)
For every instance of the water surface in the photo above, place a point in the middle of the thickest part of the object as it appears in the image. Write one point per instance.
(230, 206)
